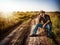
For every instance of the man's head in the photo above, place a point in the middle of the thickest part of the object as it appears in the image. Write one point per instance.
(42, 12)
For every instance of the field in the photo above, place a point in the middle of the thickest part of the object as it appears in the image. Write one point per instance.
(10, 22)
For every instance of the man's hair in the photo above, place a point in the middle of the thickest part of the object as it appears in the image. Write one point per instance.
(42, 11)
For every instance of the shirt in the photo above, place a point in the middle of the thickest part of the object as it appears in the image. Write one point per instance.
(45, 19)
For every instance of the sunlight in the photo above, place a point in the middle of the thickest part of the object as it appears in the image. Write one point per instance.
(6, 14)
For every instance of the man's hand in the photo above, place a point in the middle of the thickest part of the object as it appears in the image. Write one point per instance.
(44, 25)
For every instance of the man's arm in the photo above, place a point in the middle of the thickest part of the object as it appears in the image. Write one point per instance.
(46, 23)
(39, 19)
(48, 20)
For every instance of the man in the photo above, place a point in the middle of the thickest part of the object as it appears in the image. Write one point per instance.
(44, 22)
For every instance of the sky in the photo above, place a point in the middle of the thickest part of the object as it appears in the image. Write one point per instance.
(29, 5)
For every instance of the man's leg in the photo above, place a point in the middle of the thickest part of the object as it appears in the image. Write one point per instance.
(51, 35)
(35, 30)
(48, 27)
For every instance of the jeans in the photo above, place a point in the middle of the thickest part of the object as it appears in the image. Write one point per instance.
(47, 27)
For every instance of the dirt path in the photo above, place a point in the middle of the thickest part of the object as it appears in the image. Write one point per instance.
(15, 34)
(41, 39)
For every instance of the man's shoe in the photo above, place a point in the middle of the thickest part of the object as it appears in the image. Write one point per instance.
(32, 35)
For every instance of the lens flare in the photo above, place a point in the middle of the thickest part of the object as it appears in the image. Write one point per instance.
(6, 14)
